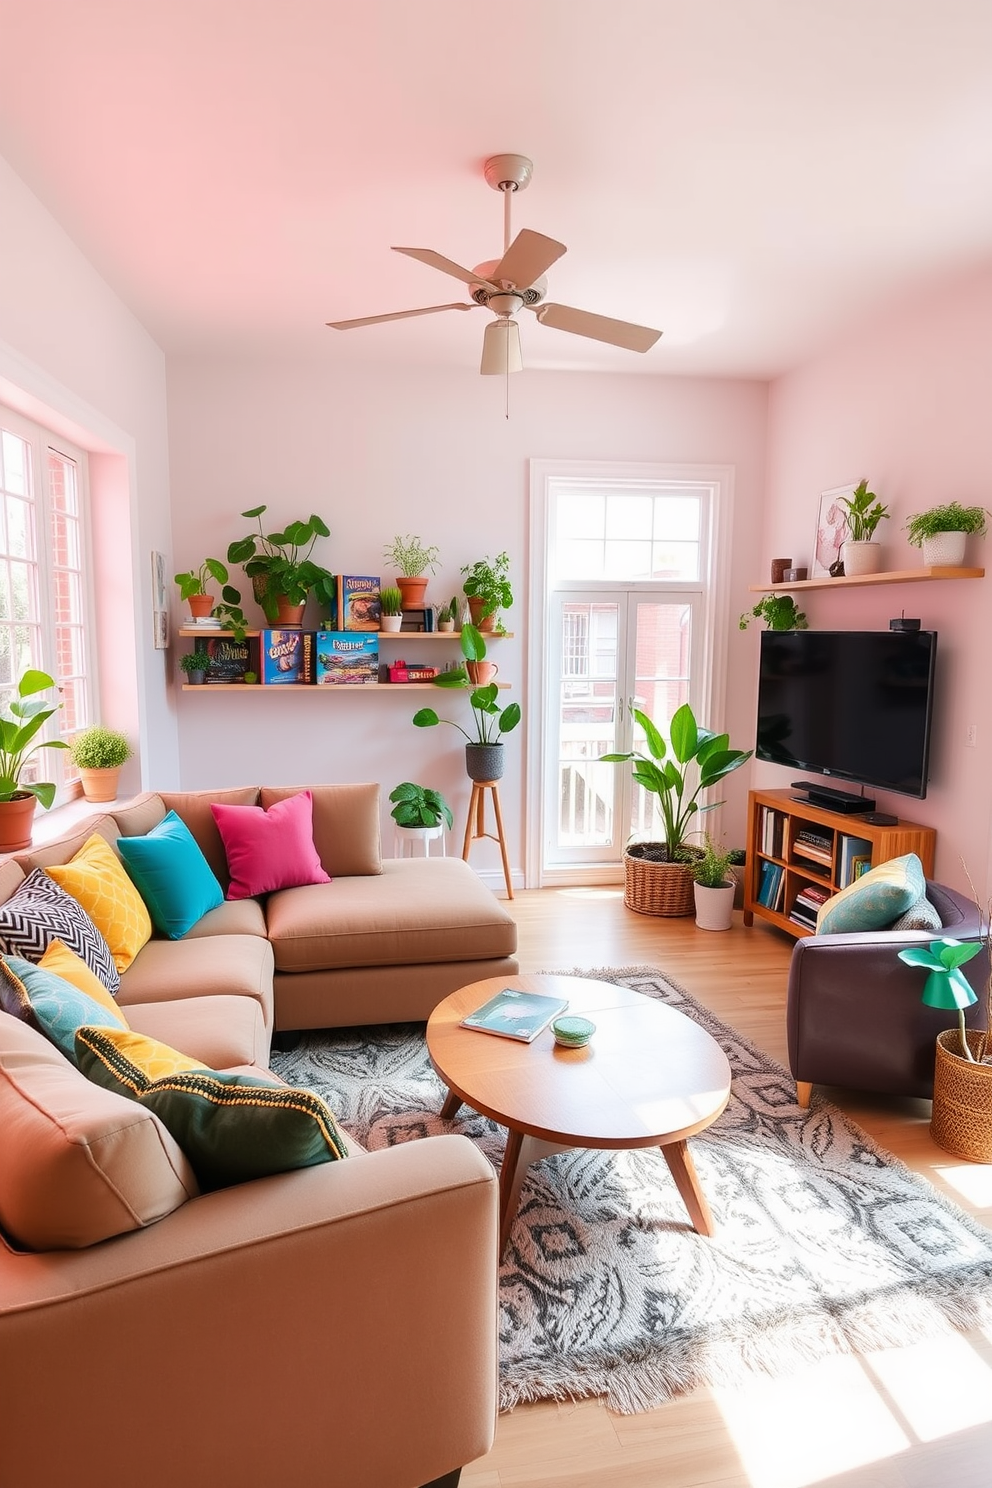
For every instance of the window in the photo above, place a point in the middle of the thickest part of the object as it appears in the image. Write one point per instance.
(44, 612)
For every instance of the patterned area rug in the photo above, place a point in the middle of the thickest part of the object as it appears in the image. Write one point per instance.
(824, 1243)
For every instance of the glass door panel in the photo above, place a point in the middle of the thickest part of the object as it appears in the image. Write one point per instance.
(662, 651)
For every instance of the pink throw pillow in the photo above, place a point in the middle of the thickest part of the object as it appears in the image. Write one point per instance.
(269, 850)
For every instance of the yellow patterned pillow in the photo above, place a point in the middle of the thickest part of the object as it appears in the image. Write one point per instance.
(97, 880)
(64, 963)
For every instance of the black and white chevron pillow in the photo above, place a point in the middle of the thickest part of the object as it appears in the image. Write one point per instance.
(40, 911)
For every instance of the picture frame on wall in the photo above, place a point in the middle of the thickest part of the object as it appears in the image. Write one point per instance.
(831, 531)
(160, 607)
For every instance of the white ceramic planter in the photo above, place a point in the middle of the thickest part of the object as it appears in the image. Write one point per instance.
(714, 907)
(391, 622)
(860, 557)
(945, 550)
(418, 837)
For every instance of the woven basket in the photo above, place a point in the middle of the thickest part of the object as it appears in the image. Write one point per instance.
(961, 1122)
(654, 886)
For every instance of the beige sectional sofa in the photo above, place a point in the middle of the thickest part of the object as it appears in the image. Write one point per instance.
(333, 1324)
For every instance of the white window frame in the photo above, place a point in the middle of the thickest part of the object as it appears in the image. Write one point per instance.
(55, 764)
(709, 685)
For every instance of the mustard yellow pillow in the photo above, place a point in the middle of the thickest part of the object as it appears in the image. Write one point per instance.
(64, 963)
(97, 880)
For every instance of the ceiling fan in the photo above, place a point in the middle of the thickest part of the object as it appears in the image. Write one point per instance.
(515, 281)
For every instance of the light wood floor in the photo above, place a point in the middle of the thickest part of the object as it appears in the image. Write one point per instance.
(912, 1418)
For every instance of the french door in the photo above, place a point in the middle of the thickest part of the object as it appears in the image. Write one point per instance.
(610, 648)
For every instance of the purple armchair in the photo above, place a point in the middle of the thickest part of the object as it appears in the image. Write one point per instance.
(855, 1011)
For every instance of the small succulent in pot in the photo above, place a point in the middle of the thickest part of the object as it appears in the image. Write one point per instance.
(194, 664)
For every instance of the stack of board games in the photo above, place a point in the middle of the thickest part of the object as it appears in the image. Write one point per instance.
(346, 659)
(227, 659)
(287, 656)
(359, 604)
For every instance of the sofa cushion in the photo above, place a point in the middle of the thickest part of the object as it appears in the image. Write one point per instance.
(268, 850)
(80, 1164)
(923, 915)
(231, 917)
(38, 912)
(50, 1004)
(232, 1127)
(193, 807)
(417, 910)
(66, 964)
(95, 877)
(874, 900)
(144, 813)
(64, 848)
(215, 965)
(224, 1032)
(345, 825)
(173, 877)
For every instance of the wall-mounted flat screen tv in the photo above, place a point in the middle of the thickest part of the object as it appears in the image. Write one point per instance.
(855, 704)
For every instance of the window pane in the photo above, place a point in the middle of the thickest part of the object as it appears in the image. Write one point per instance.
(16, 464)
(628, 535)
(587, 723)
(629, 516)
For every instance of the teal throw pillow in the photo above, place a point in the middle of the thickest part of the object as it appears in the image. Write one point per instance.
(231, 1127)
(875, 899)
(923, 915)
(50, 1004)
(171, 875)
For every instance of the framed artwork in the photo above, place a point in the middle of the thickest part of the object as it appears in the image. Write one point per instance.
(831, 531)
(160, 610)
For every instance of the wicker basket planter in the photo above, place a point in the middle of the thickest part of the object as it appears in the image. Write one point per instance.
(653, 885)
(961, 1122)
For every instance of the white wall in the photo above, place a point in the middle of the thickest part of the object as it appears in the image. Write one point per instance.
(430, 453)
(75, 358)
(904, 402)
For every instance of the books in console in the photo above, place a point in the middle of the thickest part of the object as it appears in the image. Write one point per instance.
(516, 1015)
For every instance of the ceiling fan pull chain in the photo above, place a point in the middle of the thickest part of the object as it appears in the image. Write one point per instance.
(507, 190)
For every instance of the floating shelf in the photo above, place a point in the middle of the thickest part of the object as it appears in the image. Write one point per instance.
(897, 576)
(384, 635)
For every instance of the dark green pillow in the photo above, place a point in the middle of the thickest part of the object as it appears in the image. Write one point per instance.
(231, 1127)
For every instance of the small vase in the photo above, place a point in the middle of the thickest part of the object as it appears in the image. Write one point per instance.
(413, 590)
(391, 622)
(861, 557)
(484, 762)
(945, 549)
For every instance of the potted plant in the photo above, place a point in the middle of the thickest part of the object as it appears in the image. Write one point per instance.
(942, 532)
(282, 572)
(779, 612)
(411, 560)
(193, 586)
(98, 754)
(657, 875)
(21, 719)
(447, 615)
(391, 607)
(713, 886)
(484, 752)
(961, 1118)
(193, 665)
(420, 813)
(487, 589)
(860, 553)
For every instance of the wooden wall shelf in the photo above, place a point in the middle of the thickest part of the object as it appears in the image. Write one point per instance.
(384, 635)
(896, 576)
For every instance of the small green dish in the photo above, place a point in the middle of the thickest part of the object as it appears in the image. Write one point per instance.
(572, 1033)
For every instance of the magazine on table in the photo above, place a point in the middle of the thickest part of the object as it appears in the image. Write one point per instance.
(516, 1015)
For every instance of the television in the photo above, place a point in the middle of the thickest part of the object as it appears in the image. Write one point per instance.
(855, 704)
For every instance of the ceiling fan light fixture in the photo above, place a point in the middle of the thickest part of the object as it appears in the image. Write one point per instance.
(501, 349)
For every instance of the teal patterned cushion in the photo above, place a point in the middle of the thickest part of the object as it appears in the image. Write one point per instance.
(50, 1004)
(919, 916)
(875, 899)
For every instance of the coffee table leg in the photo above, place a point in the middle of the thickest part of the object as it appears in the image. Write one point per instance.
(452, 1103)
(511, 1177)
(683, 1170)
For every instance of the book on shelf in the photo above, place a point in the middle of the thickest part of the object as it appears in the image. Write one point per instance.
(772, 827)
(814, 895)
(812, 854)
(859, 865)
(772, 885)
(822, 840)
(850, 849)
(516, 1015)
(347, 659)
(287, 656)
(799, 915)
(359, 604)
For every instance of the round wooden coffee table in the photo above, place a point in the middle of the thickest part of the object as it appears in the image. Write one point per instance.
(650, 1077)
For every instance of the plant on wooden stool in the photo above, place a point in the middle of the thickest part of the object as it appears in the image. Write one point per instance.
(419, 806)
(491, 721)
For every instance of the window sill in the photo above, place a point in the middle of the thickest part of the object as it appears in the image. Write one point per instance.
(49, 826)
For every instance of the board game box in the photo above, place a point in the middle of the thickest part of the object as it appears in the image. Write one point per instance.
(346, 659)
(287, 656)
(227, 659)
(359, 605)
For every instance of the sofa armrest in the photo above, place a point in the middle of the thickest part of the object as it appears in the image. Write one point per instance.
(855, 1012)
(334, 1324)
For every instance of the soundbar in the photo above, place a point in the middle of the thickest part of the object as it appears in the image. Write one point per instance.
(824, 796)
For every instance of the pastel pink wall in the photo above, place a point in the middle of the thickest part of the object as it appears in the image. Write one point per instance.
(905, 401)
(426, 452)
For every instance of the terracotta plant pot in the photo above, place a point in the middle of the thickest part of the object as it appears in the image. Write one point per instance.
(200, 605)
(289, 616)
(16, 819)
(480, 621)
(480, 672)
(413, 591)
(100, 785)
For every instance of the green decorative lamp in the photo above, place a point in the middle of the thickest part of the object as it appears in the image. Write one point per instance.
(946, 986)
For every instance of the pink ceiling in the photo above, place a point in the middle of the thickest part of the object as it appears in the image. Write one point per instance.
(748, 175)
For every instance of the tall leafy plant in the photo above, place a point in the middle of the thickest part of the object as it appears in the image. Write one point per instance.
(490, 720)
(279, 563)
(21, 719)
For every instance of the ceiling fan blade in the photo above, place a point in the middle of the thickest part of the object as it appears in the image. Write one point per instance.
(598, 327)
(349, 325)
(526, 259)
(438, 261)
